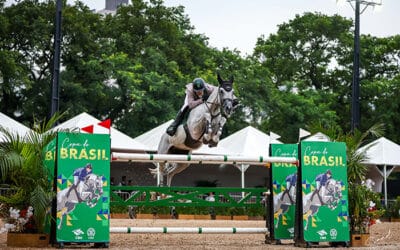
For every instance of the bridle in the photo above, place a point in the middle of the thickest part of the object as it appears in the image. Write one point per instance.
(220, 101)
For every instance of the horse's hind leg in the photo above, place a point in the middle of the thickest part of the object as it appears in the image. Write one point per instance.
(169, 179)
(60, 214)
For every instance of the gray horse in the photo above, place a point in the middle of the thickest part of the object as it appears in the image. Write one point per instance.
(90, 192)
(331, 199)
(203, 126)
(282, 203)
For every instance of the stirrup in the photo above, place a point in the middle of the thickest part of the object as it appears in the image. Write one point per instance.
(171, 130)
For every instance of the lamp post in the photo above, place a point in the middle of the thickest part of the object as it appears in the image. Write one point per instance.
(355, 103)
(55, 87)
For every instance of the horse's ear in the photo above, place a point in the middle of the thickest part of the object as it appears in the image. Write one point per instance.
(231, 79)
(220, 79)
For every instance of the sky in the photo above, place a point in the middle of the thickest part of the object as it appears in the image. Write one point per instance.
(236, 24)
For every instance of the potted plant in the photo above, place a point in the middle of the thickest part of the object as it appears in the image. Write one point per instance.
(25, 206)
(359, 196)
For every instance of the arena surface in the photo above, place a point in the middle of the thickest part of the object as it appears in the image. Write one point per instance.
(383, 236)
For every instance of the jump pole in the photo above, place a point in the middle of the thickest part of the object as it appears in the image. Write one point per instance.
(202, 159)
(189, 230)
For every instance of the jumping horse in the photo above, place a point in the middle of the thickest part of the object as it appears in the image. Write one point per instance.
(203, 126)
(331, 199)
(90, 191)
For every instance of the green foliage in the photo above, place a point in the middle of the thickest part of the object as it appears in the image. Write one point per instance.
(24, 173)
(394, 209)
(359, 196)
(359, 203)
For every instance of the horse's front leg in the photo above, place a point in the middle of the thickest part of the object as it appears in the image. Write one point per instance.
(218, 132)
(208, 129)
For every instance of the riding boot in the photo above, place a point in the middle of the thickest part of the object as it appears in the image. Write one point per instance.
(179, 117)
(316, 191)
(69, 190)
(283, 195)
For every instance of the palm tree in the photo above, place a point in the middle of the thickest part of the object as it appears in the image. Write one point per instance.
(23, 171)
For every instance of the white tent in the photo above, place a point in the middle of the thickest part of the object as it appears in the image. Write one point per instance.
(152, 137)
(248, 141)
(119, 140)
(13, 126)
(318, 137)
(381, 153)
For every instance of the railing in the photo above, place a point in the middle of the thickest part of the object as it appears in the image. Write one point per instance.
(187, 196)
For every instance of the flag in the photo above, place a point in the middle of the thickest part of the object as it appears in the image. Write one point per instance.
(88, 129)
(105, 123)
(274, 136)
(303, 133)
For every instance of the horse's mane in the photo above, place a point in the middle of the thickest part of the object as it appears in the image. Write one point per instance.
(214, 94)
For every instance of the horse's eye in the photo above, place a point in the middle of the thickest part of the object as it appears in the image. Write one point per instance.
(221, 91)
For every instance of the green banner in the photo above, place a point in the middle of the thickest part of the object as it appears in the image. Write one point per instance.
(324, 192)
(83, 172)
(284, 178)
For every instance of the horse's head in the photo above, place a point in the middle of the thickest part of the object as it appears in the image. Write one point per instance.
(226, 95)
(334, 187)
(99, 184)
(95, 183)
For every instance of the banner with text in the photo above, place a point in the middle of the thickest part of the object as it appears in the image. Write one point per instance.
(324, 191)
(83, 173)
(284, 178)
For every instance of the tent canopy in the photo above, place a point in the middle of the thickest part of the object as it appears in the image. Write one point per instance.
(119, 140)
(152, 137)
(248, 141)
(382, 152)
(318, 137)
(13, 126)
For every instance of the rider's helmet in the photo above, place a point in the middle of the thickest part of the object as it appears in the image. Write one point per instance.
(89, 165)
(329, 172)
(198, 84)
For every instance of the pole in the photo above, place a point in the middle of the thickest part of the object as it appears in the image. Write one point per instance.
(55, 88)
(355, 110)
(189, 230)
(385, 184)
(201, 159)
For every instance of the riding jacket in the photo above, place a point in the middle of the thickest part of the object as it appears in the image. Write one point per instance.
(192, 100)
(81, 173)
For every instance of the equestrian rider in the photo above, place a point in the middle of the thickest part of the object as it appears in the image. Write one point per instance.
(197, 92)
(80, 175)
(321, 180)
(290, 182)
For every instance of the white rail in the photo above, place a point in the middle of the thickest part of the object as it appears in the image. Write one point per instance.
(202, 159)
(190, 230)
